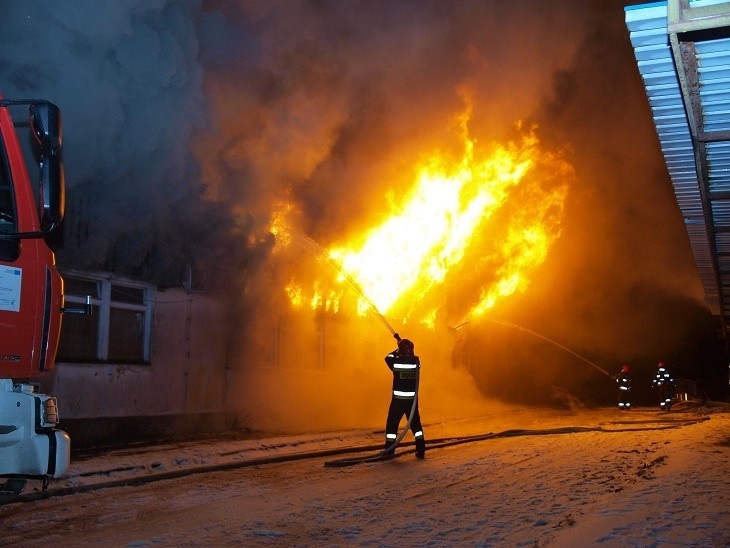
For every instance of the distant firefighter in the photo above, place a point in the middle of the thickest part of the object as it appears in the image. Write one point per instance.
(664, 382)
(405, 366)
(623, 380)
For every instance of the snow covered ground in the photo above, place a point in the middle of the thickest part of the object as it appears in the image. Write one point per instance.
(566, 478)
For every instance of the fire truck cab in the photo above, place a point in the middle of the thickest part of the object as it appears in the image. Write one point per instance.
(31, 297)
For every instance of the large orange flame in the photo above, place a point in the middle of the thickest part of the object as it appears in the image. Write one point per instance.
(482, 223)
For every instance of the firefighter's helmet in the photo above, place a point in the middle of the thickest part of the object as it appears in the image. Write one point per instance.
(406, 347)
(625, 368)
(660, 365)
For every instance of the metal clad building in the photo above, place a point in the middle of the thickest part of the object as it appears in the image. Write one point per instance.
(682, 48)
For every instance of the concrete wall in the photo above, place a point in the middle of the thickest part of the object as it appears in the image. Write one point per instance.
(186, 376)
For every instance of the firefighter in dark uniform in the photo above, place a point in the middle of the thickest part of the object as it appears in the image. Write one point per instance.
(664, 382)
(623, 380)
(405, 366)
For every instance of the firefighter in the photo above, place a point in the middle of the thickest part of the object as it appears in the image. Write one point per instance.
(623, 380)
(664, 382)
(405, 366)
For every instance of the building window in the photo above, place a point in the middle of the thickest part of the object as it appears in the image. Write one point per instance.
(120, 326)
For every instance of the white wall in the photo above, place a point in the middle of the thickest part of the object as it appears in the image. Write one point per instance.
(187, 373)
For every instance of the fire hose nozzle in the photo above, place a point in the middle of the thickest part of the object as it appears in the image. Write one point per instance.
(396, 336)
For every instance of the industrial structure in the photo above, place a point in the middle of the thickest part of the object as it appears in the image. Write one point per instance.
(682, 48)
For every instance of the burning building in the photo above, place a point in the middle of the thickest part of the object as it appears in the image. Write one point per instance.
(481, 177)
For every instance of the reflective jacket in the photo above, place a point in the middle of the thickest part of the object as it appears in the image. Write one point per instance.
(405, 374)
(662, 378)
(624, 381)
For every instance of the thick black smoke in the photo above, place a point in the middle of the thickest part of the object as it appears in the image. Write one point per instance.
(627, 273)
(128, 79)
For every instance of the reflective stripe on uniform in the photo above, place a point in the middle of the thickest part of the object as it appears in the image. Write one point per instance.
(404, 366)
(402, 394)
(418, 434)
(390, 436)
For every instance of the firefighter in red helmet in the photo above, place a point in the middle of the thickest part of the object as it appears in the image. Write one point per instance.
(623, 380)
(405, 366)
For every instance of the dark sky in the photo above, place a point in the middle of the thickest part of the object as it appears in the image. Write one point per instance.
(184, 122)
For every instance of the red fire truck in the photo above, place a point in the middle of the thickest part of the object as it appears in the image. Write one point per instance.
(31, 296)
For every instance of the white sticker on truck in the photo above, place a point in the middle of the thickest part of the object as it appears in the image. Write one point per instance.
(10, 277)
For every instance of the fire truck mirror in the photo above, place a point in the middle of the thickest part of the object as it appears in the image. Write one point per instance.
(45, 119)
(52, 191)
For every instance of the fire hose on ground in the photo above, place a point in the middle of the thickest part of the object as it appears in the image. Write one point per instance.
(439, 443)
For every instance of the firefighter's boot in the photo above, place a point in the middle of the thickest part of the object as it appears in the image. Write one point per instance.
(420, 447)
